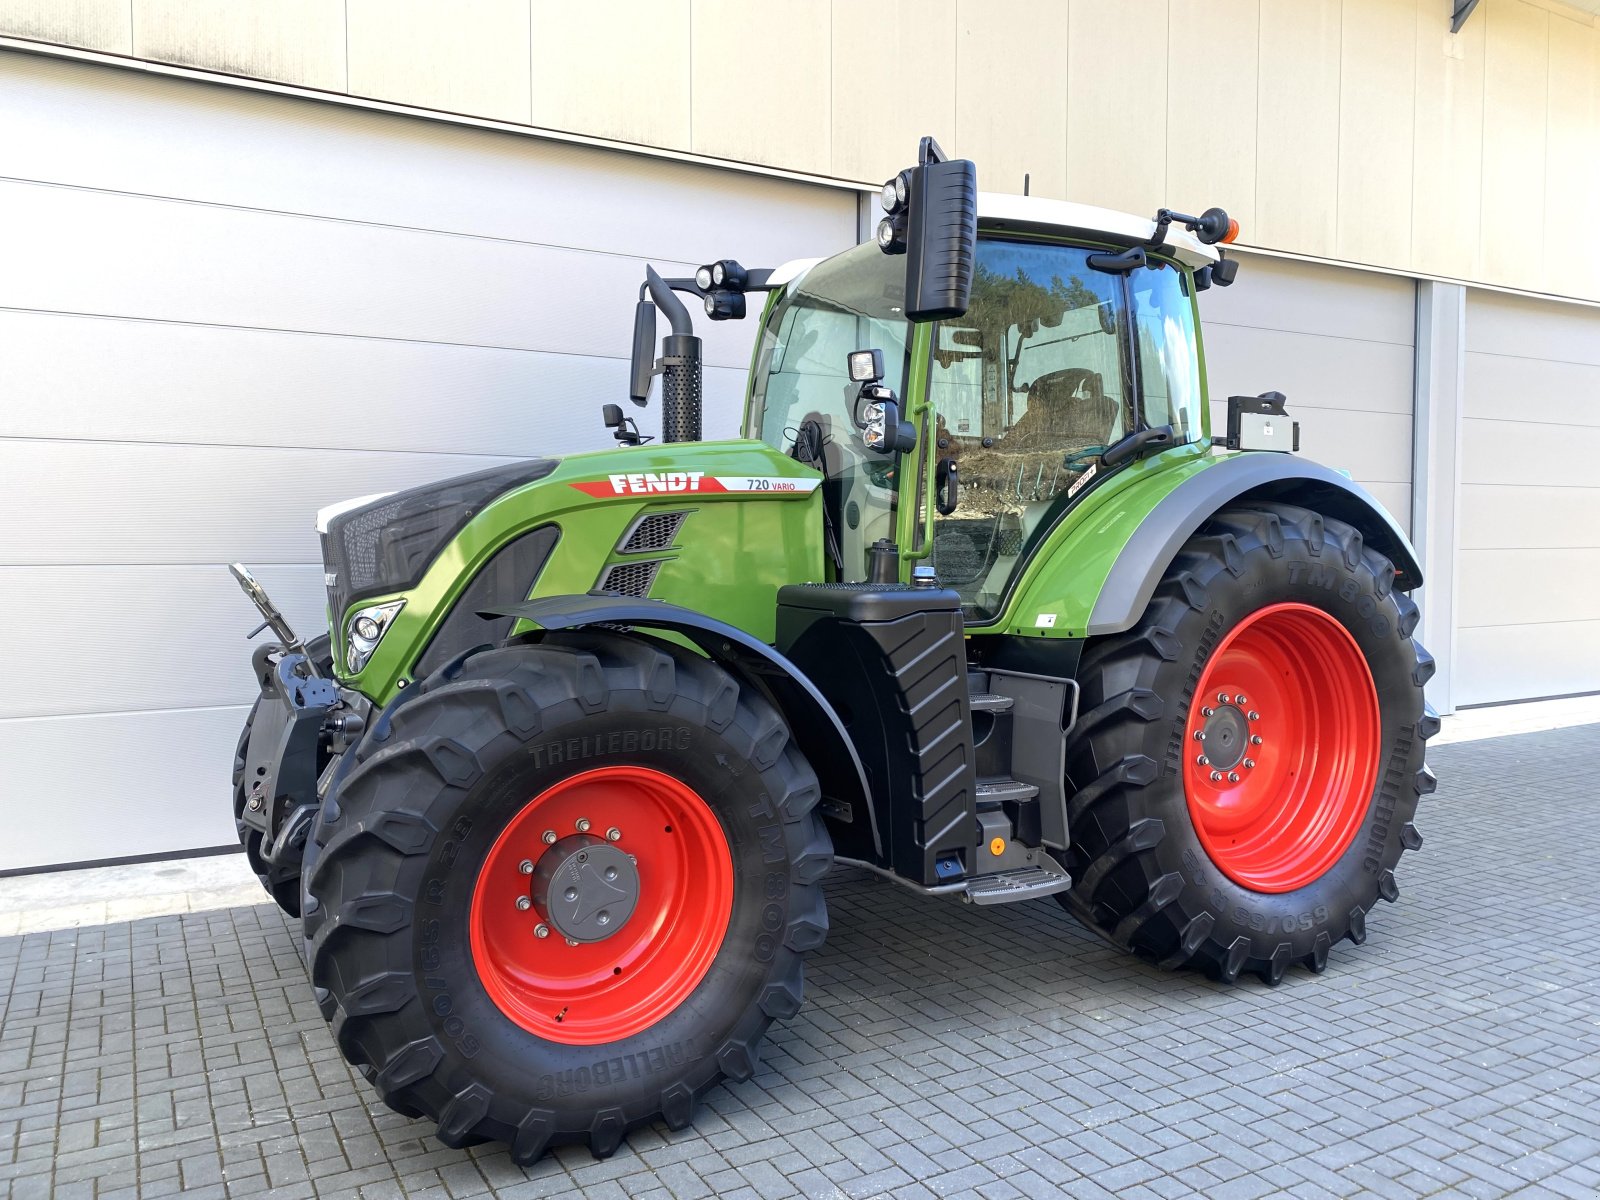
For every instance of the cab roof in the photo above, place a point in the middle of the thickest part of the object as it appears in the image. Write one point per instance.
(1035, 214)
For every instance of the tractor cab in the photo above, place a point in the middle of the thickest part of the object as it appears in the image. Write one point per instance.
(1072, 358)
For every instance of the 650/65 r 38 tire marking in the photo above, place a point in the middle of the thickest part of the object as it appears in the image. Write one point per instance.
(587, 993)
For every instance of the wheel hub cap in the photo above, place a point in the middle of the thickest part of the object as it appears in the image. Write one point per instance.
(586, 888)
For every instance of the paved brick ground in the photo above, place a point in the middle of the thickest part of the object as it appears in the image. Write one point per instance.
(943, 1050)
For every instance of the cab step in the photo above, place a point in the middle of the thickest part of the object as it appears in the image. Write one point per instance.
(1026, 883)
(994, 792)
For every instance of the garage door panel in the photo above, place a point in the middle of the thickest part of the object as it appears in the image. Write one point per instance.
(1531, 329)
(1524, 587)
(117, 638)
(1499, 387)
(231, 146)
(118, 784)
(1326, 301)
(1510, 517)
(1521, 662)
(1373, 447)
(1308, 370)
(132, 256)
(1509, 452)
(113, 379)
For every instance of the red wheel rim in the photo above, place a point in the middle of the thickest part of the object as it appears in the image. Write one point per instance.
(602, 991)
(1280, 783)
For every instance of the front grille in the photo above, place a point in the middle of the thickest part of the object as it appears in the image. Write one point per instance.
(630, 579)
(654, 531)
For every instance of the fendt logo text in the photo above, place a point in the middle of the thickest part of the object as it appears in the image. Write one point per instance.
(666, 481)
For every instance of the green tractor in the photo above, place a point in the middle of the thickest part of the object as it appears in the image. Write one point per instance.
(977, 604)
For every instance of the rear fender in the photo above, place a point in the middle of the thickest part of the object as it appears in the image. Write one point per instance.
(818, 731)
(1179, 514)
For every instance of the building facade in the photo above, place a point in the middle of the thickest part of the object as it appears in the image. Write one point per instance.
(265, 256)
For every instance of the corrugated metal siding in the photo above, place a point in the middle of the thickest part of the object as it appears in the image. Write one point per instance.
(1528, 603)
(227, 309)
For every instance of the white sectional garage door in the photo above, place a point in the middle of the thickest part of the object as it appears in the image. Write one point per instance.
(1528, 590)
(1338, 344)
(221, 310)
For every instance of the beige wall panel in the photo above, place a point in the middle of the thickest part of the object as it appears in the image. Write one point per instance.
(93, 24)
(292, 41)
(468, 57)
(1523, 327)
(1522, 662)
(1447, 153)
(193, 618)
(1116, 115)
(1280, 293)
(1523, 587)
(1518, 516)
(1515, 109)
(1211, 107)
(1297, 174)
(1536, 391)
(623, 93)
(1377, 91)
(883, 102)
(1516, 452)
(782, 116)
(1342, 373)
(1572, 157)
(1011, 94)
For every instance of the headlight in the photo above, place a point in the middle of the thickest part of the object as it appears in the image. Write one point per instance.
(365, 630)
(874, 428)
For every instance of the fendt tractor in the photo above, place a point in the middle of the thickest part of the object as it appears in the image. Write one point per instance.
(977, 603)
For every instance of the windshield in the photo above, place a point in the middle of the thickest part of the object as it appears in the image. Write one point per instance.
(801, 385)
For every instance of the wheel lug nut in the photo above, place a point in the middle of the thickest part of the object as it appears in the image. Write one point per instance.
(613, 834)
(549, 837)
(1249, 764)
(602, 918)
(524, 903)
(1206, 712)
(1199, 735)
(1239, 700)
(1253, 715)
(583, 824)
(1216, 777)
(1222, 697)
(571, 894)
(525, 867)
(541, 931)
(1255, 739)
(1202, 761)
(1233, 777)
(572, 941)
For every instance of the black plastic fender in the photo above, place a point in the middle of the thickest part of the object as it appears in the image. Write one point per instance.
(1249, 476)
(817, 728)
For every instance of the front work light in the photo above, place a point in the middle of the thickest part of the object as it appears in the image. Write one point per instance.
(891, 235)
(725, 306)
(702, 278)
(365, 630)
(866, 366)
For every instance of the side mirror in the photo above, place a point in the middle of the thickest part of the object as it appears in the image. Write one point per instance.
(644, 351)
(933, 220)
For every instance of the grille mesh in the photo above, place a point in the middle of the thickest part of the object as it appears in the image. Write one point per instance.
(630, 579)
(654, 532)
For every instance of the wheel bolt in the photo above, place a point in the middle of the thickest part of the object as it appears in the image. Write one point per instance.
(602, 918)
(1239, 700)
(571, 894)
(1233, 777)
(525, 867)
(1222, 697)
(524, 903)
(1216, 777)
(1202, 761)
(613, 834)
(1206, 712)
(1255, 739)
(549, 837)
(1199, 735)
(1253, 715)
(1249, 764)
(572, 941)
(541, 931)
(583, 824)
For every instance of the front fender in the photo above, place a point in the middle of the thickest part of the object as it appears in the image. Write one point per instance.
(817, 729)
(1096, 573)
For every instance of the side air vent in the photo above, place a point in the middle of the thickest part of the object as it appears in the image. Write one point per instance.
(653, 531)
(631, 578)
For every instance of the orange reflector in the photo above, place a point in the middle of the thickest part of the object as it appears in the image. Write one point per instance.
(997, 846)
(1233, 230)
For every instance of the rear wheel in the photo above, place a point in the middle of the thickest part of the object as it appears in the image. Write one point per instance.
(281, 880)
(1250, 755)
(565, 890)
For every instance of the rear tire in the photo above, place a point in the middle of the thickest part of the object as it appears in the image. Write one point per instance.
(281, 880)
(1164, 861)
(412, 929)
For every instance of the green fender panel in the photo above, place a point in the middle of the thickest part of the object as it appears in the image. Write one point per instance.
(1095, 573)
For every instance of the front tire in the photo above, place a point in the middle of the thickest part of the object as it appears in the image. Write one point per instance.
(1247, 767)
(602, 775)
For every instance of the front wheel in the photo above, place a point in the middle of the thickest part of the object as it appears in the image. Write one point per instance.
(564, 891)
(1248, 763)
